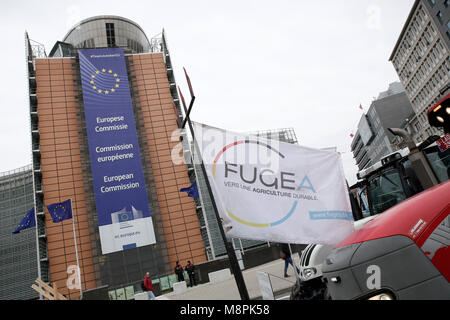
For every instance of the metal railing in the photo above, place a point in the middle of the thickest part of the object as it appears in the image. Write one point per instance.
(15, 171)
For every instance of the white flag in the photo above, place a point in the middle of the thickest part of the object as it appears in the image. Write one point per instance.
(274, 191)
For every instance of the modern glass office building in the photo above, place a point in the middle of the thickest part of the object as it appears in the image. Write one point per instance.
(66, 158)
(18, 258)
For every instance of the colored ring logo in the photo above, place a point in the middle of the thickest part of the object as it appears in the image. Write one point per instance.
(235, 217)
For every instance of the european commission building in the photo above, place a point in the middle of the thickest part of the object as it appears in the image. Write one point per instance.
(104, 119)
(103, 108)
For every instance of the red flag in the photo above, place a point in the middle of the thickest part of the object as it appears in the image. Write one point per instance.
(189, 83)
(351, 135)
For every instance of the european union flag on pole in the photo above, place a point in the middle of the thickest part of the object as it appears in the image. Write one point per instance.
(28, 221)
(60, 211)
(192, 191)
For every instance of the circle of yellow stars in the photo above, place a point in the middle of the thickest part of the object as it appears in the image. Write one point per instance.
(107, 91)
(55, 211)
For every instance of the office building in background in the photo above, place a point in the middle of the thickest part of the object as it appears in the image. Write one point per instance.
(422, 62)
(18, 255)
(373, 140)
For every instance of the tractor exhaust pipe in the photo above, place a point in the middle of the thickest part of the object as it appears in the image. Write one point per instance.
(402, 133)
(419, 163)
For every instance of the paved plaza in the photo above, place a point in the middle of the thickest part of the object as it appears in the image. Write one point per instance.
(227, 290)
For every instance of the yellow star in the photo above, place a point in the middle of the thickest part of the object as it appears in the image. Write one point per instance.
(109, 71)
(106, 91)
(97, 72)
(94, 87)
(117, 85)
(99, 91)
(117, 80)
(92, 81)
(93, 76)
(103, 70)
(113, 90)
(115, 74)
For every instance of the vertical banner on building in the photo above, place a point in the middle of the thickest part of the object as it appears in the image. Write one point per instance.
(124, 217)
(274, 191)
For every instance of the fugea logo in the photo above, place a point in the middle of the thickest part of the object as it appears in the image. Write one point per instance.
(374, 280)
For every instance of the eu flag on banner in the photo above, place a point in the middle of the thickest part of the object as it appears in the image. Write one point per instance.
(60, 211)
(192, 191)
(27, 222)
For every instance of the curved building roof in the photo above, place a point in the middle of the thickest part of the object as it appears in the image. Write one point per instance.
(102, 17)
(108, 31)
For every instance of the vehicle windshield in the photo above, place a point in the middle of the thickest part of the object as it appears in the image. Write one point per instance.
(385, 191)
(439, 162)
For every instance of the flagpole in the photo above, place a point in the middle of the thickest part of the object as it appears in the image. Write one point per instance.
(76, 250)
(238, 277)
(297, 276)
(234, 264)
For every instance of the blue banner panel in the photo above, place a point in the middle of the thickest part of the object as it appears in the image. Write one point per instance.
(124, 217)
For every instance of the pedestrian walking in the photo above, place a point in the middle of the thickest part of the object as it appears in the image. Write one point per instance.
(179, 272)
(148, 286)
(190, 269)
(285, 254)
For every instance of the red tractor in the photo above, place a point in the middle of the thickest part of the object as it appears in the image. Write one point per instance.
(404, 252)
(400, 247)
(401, 254)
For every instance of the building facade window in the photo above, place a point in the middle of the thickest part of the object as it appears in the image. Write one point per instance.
(439, 16)
(417, 126)
(425, 16)
(110, 35)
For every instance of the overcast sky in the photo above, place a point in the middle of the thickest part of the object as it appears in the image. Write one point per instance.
(254, 65)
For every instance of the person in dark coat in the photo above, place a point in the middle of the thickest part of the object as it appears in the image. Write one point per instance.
(148, 286)
(179, 271)
(285, 254)
(190, 269)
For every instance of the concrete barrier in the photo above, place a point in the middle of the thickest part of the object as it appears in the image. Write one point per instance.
(179, 287)
(219, 276)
